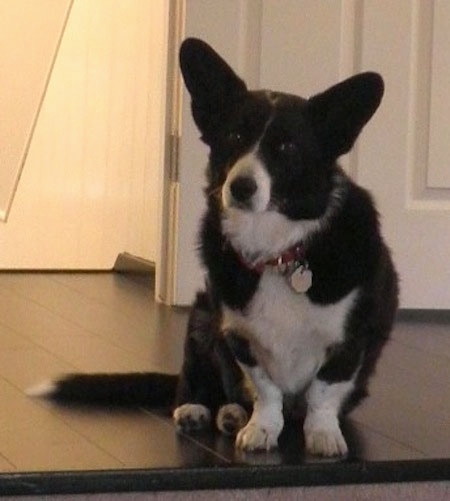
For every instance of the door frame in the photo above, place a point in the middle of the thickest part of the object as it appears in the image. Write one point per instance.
(178, 272)
(169, 186)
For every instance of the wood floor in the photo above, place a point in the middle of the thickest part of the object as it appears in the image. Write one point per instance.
(51, 323)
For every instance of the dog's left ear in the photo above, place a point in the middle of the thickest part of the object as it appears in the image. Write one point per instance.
(339, 113)
(213, 85)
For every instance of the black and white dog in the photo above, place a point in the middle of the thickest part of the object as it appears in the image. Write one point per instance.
(301, 290)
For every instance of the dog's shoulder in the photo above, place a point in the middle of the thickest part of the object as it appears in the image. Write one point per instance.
(346, 252)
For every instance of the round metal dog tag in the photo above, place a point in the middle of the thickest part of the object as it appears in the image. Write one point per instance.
(300, 279)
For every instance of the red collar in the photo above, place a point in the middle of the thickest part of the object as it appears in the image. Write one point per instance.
(294, 253)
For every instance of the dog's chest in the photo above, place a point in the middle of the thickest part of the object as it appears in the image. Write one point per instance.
(288, 334)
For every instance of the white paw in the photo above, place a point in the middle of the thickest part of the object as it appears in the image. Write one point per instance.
(256, 438)
(323, 437)
(231, 418)
(191, 417)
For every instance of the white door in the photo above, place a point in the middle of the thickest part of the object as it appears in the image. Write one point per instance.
(405, 159)
(303, 46)
(90, 182)
(29, 38)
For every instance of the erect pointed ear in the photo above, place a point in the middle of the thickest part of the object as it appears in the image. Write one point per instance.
(213, 85)
(339, 113)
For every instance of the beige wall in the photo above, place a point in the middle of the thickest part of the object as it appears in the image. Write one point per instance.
(90, 184)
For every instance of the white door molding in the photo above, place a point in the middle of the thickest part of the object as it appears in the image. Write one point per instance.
(233, 29)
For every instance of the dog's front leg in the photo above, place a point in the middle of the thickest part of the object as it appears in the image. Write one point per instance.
(323, 435)
(326, 397)
(266, 423)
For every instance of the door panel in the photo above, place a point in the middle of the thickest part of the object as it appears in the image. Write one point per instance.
(438, 171)
(397, 159)
(402, 155)
(29, 37)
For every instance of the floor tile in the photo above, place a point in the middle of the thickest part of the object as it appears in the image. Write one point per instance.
(430, 336)
(26, 367)
(32, 438)
(52, 323)
(138, 439)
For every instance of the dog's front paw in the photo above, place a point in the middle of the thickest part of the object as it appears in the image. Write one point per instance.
(324, 438)
(255, 437)
(191, 417)
(231, 418)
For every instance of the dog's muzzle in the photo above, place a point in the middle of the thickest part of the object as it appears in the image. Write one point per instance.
(242, 189)
(247, 186)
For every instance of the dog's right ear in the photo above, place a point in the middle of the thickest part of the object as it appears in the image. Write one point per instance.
(339, 113)
(214, 87)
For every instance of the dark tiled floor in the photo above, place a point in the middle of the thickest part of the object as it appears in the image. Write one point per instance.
(53, 323)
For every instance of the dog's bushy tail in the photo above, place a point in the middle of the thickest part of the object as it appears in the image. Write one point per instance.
(135, 389)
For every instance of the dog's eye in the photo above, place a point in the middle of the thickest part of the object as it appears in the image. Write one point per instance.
(288, 148)
(234, 137)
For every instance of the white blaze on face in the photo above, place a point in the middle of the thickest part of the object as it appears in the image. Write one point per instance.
(249, 166)
(259, 231)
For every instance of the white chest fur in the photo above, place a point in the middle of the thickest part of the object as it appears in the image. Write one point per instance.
(288, 334)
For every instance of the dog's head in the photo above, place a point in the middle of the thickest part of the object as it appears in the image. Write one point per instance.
(272, 167)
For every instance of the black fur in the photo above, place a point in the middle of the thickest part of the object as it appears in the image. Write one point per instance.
(240, 346)
(351, 252)
(300, 142)
(210, 374)
(117, 389)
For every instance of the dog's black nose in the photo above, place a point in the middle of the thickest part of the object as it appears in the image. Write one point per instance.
(242, 188)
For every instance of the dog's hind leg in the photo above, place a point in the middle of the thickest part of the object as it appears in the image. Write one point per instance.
(200, 391)
(233, 415)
